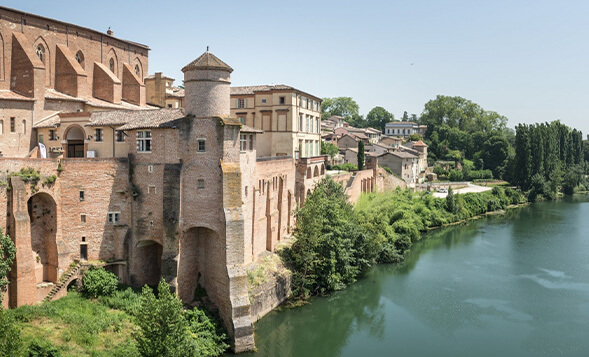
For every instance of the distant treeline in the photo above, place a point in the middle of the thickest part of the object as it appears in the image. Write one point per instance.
(547, 156)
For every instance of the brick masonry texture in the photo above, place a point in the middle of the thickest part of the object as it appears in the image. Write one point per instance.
(194, 209)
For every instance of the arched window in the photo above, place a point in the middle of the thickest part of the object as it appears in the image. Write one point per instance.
(137, 69)
(80, 58)
(111, 64)
(41, 53)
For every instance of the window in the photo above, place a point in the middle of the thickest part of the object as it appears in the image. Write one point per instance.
(241, 103)
(242, 120)
(1, 127)
(80, 58)
(201, 145)
(300, 122)
(282, 100)
(144, 141)
(111, 65)
(41, 53)
(82, 218)
(251, 140)
(151, 189)
(41, 138)
(81, 195)
(169, 105)
(83, 239)
(137, 69)
(24, 126)
(200, 184)
(97, 135)
(113, 217)
(243, 142)
(52, 135)
(120, 136)
(263, 100)
(12, 129)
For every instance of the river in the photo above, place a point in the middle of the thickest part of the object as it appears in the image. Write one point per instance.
(512, 285)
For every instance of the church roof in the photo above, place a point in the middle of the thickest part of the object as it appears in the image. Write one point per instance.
(207, 61)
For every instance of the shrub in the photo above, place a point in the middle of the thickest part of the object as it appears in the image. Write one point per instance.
(455, 175)
(10, 343)
(42, 348)
(208, 337)
(345, 167)
(99, 282)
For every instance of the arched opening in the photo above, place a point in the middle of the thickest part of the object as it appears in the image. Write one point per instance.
(308, 172)
(80, 58)
(200, 264)
(149, 266)
(322, 169)
(75, 142)
(73, 285)
(40, 51)
(43, 217)
(111, 65)
(316, 172)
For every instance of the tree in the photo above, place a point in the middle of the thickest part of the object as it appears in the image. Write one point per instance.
(378, 117)
(414, 137)
(163, 330)
(10, 343)
(405, 116)
(7, 255)
(450, 201)
(360, 155)
(327, 254)
(329, 149)
(343, 106)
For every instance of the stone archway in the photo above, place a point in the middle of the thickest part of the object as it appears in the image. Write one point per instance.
(75, 141)
(43, 217)
(200, 264)
(149, 266)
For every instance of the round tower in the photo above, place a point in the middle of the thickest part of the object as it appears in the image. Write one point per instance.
(206, 86)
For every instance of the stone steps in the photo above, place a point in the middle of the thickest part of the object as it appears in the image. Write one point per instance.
(62, 281)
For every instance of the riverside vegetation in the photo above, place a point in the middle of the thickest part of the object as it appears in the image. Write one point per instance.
(336, 242)
(107, 320)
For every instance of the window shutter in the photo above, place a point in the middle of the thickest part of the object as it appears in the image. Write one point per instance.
(245, 103)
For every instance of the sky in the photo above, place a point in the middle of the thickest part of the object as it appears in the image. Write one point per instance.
(526, 60)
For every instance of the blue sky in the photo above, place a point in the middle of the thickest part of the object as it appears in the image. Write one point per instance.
(527, 60)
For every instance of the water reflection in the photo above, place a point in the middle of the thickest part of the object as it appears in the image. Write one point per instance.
(510, 285)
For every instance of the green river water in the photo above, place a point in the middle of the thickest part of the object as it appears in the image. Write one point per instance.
(513, 285)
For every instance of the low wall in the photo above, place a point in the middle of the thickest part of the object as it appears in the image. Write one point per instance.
(267, 296)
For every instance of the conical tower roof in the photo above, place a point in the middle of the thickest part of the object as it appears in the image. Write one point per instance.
(207, 61)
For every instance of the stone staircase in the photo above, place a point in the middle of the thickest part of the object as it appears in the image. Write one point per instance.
(64, 280)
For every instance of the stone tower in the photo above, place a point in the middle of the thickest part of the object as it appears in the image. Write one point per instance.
(206, 85)
(211, 244)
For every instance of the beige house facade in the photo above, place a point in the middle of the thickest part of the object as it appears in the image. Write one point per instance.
(289, 118)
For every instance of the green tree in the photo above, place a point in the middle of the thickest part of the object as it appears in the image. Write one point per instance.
(415, 137)
(329, 149)
(10, 343)
(405, 116)
(327, 253)
(360, 155)
(450, 201)
(378, 117)
(99, 282)
(163, 330)
(7, 255)
(343, 106)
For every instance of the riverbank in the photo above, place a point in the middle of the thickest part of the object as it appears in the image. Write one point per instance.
(336, 242)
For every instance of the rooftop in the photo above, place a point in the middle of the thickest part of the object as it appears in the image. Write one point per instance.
(207, 61)
(251, 90)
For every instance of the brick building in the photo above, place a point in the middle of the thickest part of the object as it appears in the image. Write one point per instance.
(193, 194)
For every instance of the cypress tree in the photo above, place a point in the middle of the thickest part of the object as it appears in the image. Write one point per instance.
(360, 155)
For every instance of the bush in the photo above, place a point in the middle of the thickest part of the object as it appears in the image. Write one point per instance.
(99, 282)
(42, 348)
(125, 300)
(10, 343)
(345, 167)
(455, 175)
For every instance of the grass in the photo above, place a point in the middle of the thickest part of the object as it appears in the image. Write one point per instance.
(78, 327)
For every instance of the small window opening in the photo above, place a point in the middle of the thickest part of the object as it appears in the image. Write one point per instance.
(81, 195)
(200, 183)
(111, 65)
(201, 145)
(83, 217)
(150, 168)
(12, 125)
(83, 239)
(113, 217)
(282, 100)
(41, 53)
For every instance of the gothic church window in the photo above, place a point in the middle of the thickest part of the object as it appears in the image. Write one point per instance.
(41, 53)
(80, 58)
(111, 65)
